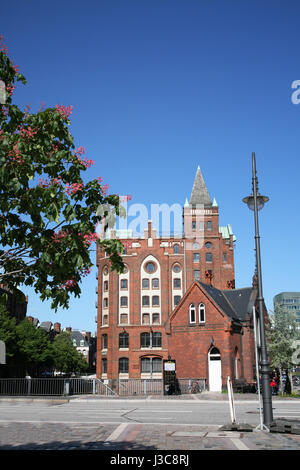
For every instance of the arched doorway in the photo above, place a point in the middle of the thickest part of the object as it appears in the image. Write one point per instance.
(214, 370)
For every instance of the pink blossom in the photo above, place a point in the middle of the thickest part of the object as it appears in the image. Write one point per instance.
(73, 188)
(28, 133)
(85, 162)
(16, 154)
(64, 111)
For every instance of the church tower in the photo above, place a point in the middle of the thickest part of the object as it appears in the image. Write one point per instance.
(209, 247)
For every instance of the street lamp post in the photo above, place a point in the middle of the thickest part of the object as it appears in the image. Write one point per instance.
(255, 203)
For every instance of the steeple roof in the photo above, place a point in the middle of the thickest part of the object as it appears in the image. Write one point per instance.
(200, 194)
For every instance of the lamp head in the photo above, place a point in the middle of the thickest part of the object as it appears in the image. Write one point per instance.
(261, 200)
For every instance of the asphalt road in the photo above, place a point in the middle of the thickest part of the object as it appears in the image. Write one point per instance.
(216, 413)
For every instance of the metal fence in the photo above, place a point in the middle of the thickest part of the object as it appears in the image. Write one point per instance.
(47, 387)
(130, 387)
(83, 386)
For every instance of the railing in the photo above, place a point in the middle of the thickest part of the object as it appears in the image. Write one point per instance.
(129, 387)
(83, 386)
(52, 387)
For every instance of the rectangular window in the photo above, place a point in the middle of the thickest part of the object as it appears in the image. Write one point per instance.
(105, 285)
(155, 300)
(123, 365)
(196, 275)
(149, 365)
(196, 258)
(146, 319)
(145, 283)
(177, 283)
(123, 340)
(145, 340)
(104, 341)
(156, 340)
(104, 366)
(177, 299)
(208, 257)
(209, 225)
(124, 318)
(224, 257)
(155, 283)
(124, 301)
(146, 301)
(155, 319)
(145, 365)
(105, 302)
(193, 225)
(124, 284)
(156, 364)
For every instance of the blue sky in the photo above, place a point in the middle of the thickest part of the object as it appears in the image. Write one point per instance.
(159, 87)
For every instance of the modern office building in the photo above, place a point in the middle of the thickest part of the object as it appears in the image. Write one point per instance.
(289, 301)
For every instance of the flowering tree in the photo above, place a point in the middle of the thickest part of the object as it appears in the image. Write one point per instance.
(48, 214)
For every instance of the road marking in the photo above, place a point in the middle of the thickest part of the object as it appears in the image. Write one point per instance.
(231, 434)
(189, 434)
(117, 432)
(239, 444)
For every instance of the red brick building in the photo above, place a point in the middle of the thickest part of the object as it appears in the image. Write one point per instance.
(144, 314)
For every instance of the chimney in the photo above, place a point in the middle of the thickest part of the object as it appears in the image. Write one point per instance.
(88, 336)
(57, 327)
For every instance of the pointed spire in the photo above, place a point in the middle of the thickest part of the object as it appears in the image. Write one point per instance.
(200, 193)
(215, 203)
(186, 204)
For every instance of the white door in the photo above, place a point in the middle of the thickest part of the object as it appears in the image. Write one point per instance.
(214, 371)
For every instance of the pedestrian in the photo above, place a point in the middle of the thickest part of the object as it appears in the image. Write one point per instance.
(273, 386)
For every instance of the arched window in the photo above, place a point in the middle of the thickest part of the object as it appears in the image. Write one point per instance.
(123, 365)
(176, 249)
(201, 313)
(192, 312)
(124, 340)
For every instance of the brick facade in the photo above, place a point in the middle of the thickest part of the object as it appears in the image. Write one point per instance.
(143, 300)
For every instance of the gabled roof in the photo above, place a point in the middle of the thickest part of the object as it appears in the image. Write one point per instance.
(236, 304)
(46, 325)
(78, 337)
(242, 301)
(200, 194)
